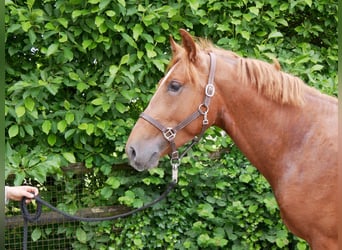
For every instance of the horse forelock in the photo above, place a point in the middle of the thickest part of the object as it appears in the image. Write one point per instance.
(190, 70)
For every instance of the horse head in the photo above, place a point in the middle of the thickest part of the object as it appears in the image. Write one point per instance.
(179, 109)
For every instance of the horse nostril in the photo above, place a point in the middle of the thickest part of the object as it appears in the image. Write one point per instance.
(132, 152)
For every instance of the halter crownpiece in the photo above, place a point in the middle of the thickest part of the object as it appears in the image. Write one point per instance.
(203, 109)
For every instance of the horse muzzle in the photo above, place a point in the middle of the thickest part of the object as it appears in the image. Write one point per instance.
(143, 154)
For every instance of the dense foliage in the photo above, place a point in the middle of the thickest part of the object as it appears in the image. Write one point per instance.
(79, 73)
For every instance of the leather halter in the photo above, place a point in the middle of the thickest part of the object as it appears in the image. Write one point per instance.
(203, 109)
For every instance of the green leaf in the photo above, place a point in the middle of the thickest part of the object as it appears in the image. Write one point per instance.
(86, 43)
(140, 54)
(61, 126)
(150, 50)
(120, 107)
(63, 37)
(89, 162)
(14, 27)
(29, 129)
(97, 101)
(69, 117)
(29, 103)
(148, 19)
(66, 104)
(103, 4)
(90, 129)
(83, 126)
(46, 126)
(165, 26)
(110, 13)
(124, 59)
(122, 2)
(36, 234)
(203, 239)
(52, 49)
(106, 192)
(63, 22)
(205, 210)
(275, 34)
(254, 10)
(129, 40)
(30, 4)
(26, 26)
(194, 4)
(308, 2)
(128, 198)
(52, 139)
(76, 13)
(81, 235)
(114, 182)
(99, 20)
(32, 36)
(137, 31)
(69, 156)
(52, 88)
(20, 111)
(74, 76)
(68, 134)
(13, 131)
(246, 178)
(316, 67)
(81, 86)
(284, 6)
(245, 34)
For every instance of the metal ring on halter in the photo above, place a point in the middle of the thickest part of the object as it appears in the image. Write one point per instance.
(205, 107)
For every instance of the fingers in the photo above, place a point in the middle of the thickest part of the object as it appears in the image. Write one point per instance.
(29, 192)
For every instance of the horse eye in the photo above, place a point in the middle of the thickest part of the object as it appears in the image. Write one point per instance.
(174, 86)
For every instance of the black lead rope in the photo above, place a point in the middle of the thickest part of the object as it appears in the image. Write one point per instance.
(35, 217)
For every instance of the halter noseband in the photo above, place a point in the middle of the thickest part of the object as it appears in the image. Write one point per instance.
(203, 109)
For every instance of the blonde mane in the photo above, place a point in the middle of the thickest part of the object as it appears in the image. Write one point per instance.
(267, 78)
(270, 81)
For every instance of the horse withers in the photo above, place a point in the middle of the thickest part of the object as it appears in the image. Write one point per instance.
(286, 129)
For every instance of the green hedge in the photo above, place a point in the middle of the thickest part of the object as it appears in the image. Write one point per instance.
(78, 74)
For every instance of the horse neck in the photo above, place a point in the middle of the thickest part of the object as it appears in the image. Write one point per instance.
(261, 128)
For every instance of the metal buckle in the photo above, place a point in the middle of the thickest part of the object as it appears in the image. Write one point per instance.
(174, 156)
(169, 134)
(210, 90)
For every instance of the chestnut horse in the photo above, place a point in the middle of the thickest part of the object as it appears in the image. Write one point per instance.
(286, 129)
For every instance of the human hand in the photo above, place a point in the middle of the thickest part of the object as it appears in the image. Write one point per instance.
(16, 193)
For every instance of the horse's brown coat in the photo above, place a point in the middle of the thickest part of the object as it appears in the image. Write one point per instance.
(287, 130)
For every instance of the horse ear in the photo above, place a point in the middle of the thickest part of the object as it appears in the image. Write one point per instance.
(174, 46)
(188, 44)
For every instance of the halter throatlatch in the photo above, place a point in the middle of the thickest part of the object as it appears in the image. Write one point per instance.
(170, 133)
